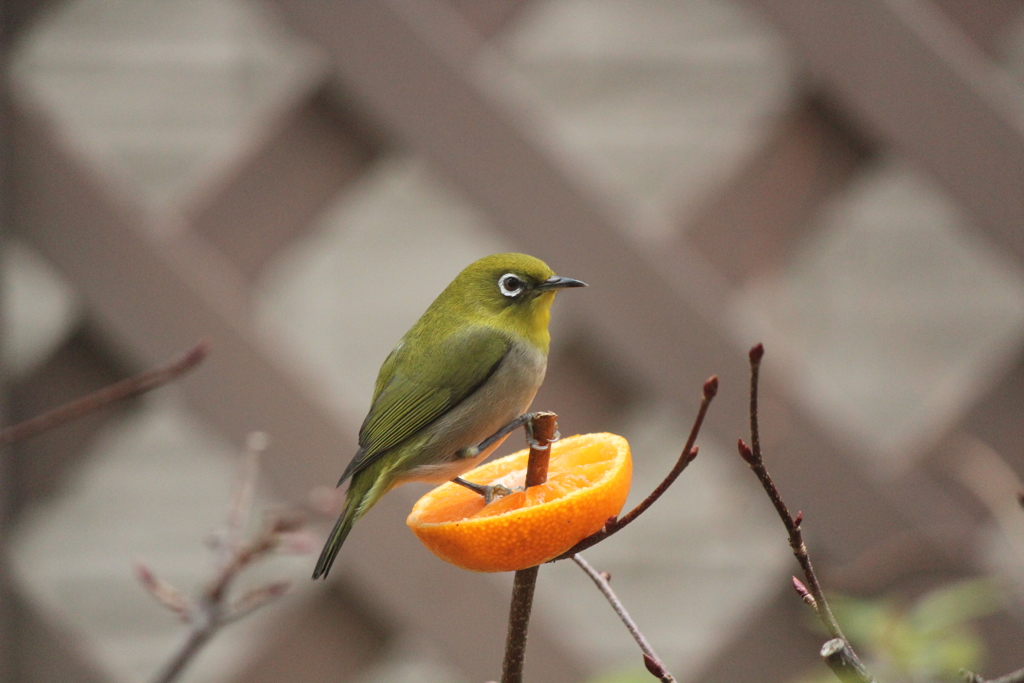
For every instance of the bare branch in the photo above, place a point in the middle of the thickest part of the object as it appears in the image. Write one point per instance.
(837, 652)
(197, 638)
(843, 661)
(1012, 677)
(254, 599)
(685, 458)
(297, 543)
(651, 659)
(245, 492)
(234, 553)
(542, 427)
(98, 400)
(240, 558)
(523, 586)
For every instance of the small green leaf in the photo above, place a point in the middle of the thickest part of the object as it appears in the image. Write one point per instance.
(955, 605)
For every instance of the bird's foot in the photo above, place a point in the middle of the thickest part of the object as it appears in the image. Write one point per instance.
(489, 492)
(534, 444)
(497, 436)
(524, 420)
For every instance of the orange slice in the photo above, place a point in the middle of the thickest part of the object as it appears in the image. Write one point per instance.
(588, 481)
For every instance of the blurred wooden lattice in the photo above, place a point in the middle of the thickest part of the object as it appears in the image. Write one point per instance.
(908, 77)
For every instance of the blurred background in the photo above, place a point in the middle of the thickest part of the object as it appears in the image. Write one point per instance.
(297, 181)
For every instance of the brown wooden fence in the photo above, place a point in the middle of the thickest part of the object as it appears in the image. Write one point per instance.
(915, 80)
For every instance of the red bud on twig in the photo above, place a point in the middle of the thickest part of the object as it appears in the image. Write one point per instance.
(711, 387)
(802, 591)
(654, 666)
(166, 594)
(798, 520)
(746, 453)
(297, 543)
(756, 353)
(256, 598)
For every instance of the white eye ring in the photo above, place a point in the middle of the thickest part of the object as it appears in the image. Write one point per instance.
(510, 285)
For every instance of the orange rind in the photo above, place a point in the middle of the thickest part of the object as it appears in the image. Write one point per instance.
(588, 482)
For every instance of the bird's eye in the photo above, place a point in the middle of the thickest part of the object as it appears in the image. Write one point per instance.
(510, 285)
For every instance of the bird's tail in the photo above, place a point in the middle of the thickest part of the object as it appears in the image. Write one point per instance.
(351, 513)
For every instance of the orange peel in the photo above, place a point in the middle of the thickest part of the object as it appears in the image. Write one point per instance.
(588, 482)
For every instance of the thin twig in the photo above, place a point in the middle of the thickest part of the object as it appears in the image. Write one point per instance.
(1012, 677)
(543, 430)
(197, 638)
(793, 524)
(651, 659)
(212, 610)
(523, 587)
(254, 599)
(98, 400)
(840, 657)
(614, 525)
(240, 508)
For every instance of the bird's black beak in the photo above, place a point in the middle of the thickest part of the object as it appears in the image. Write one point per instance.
(555, 282)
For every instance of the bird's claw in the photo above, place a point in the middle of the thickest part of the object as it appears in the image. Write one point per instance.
(495, 490)
(488, 491)
(534, 444)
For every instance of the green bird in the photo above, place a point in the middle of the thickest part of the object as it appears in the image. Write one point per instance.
(455, 386)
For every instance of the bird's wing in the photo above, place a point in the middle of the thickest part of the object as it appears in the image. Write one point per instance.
(425, 385)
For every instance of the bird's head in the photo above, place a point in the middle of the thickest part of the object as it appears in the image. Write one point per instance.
(510, 291)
